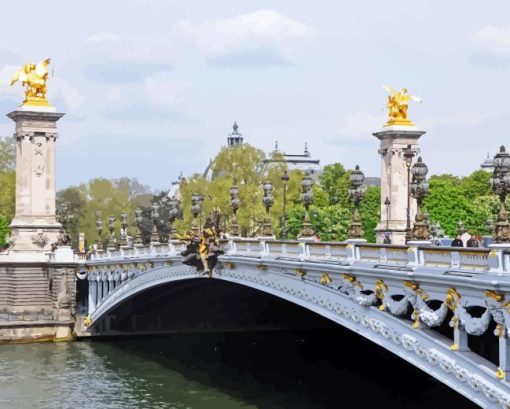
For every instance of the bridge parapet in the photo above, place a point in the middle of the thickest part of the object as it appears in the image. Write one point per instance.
(496, 260)
(164, 249)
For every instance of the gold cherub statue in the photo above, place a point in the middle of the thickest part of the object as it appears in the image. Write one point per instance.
(397, 106)
(34, 77)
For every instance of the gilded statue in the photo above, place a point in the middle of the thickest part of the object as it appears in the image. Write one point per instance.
(397, 106)
(33, 77)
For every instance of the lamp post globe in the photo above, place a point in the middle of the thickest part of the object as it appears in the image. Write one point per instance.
(285, 179)
(356, 193)
(408, 154)
(419, 189)
(500, 182)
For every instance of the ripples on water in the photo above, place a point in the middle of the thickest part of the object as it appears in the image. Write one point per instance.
(307, 369)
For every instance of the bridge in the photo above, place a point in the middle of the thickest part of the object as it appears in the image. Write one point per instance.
(431, 306)
(444, 310)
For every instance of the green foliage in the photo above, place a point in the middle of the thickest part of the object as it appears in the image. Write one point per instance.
(477, 184)
(331, 218)
(243, 166)
(7, 154)
(370, 211)
(7, 194)
(335, 182)
(4, 231)
(111, 197)
(469, 200)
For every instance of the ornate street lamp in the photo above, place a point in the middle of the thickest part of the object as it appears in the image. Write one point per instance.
(419, 189)
(435, 230)
(196, 208)
(139, 220)
(235, 202)
(112, 241)
(123, 229)
(460, 228)
(285, 179)
(500, 182)
(387, 238)
(64, 217)
(99, 228)
(356, 193)
(408, 157)
(307, 199)
(173, 214)
(267, 200)
(489, 225)
(154, 217)
(163, 218)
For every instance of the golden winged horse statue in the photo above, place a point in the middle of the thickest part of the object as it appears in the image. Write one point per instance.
(33, 77)
(398, 103)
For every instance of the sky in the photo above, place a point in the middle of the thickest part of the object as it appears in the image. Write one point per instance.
(150, 88)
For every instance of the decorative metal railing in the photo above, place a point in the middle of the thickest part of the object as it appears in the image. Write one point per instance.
(476, 260)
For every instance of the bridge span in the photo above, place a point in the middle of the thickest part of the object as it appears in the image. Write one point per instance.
(441, 309)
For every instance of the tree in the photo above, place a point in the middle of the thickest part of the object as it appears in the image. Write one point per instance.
(76, 201)
(477, 184)
(7, 153)
(335, 182)
(7, 194)
(111, 197)
(448, 202)
(7, 178)
(4, 231)
(244, 166)
(370, 211)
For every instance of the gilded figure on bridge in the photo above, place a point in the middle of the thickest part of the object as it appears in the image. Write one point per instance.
(397, 106)
(33, 77)
(202, 250)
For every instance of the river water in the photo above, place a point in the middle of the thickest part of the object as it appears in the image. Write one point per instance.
(267, 370)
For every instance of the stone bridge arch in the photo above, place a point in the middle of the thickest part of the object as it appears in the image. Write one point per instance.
(318, 291)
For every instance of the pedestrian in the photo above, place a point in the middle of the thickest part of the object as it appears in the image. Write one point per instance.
(457, 242)
(472, 242)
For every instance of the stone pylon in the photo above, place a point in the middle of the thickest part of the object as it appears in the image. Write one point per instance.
(34, 227)
(394, 181)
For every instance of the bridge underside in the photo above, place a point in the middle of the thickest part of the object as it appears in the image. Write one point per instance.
(202, 305)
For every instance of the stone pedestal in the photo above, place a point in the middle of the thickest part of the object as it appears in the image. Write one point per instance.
(394, 183)
(34, 226)
(64, 254)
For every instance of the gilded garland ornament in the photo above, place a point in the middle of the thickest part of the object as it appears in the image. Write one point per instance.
(33, 77)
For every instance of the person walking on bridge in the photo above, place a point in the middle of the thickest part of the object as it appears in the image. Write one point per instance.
(457, 242)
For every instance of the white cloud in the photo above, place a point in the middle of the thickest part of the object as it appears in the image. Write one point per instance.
(60, 87)
(164, 90)
(6, 73)
(494, 39)
(106, 47)
(266, 29)
(103, 37)
(459, 120)
(359, 126)
(114, 94)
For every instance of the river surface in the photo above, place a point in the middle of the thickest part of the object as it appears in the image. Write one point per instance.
(280, 369)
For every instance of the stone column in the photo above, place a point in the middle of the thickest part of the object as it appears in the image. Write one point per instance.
(99, 291)
(105, 288)
(394, 184)
(92, 296)
(34, 226)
